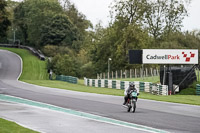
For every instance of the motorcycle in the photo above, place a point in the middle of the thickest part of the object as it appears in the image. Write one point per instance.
(131, 103)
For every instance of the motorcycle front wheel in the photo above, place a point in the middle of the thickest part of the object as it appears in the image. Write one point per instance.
(133, 106)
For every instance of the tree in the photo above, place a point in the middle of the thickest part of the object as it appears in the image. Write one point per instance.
(57, 30)
(30, 15)
(4, 21)
(163, 17)
(130, 10)
(79, 21)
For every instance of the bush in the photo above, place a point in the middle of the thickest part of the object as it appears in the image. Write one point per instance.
(87, 70)
(63, 65)
(188, 91)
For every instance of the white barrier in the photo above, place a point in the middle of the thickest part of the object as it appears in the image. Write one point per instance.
(109, 83)
(157, 89)
(102, 83)
(118, 84)
(90, 80)
(96, 82)
(147, 86)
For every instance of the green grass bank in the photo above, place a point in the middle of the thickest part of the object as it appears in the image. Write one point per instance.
(33, 68)
(11, 127)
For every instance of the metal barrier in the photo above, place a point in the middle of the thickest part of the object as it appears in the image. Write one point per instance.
(69, 79)
(37, 53)
(198, 90)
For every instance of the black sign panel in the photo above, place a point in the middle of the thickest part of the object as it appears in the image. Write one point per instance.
(135, 56)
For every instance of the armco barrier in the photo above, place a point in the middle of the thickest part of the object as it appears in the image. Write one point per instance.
(69, 79)
(198, 90)
(37, 53)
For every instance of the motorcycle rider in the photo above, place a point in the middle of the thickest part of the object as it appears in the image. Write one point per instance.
(128, 91)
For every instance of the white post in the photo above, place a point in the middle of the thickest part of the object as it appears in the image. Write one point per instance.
(121, 74)
(146, 72)
(130, 73)
(116, 75)
(112, 74)
(135, 73)
(164, 76)
(157, 72)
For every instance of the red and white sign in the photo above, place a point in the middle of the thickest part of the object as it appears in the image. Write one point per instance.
(170, 56)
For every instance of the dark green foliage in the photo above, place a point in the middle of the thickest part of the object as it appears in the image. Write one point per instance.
(188, 91)
(58, 30)
(32, 15)
(4, 21)
(64, 64)
(87, 70)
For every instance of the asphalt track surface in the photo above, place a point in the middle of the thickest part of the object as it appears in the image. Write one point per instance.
(171, 117)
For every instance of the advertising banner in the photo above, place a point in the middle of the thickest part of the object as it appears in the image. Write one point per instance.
(170, 56)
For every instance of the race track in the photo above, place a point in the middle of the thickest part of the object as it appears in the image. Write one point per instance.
(171, 117)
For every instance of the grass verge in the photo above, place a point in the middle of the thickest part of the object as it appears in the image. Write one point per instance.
(8, 127)
(185, 99)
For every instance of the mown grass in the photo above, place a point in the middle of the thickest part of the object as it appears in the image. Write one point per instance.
(11, 127)
(185, 99)
(33, 68)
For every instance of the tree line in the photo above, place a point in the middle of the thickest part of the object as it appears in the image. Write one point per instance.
(80, 49)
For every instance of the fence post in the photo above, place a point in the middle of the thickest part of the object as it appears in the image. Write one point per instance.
(116, 75)
(146, 72)
(121, 74)
(157, 72)
(135, 73)
(130, 73)
(112, 74)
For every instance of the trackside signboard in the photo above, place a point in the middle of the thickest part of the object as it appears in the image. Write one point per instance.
(170, 56)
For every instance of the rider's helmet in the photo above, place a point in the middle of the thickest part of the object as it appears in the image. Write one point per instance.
(131, 85)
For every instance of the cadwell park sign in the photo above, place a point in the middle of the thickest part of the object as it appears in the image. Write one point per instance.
(170, 56)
